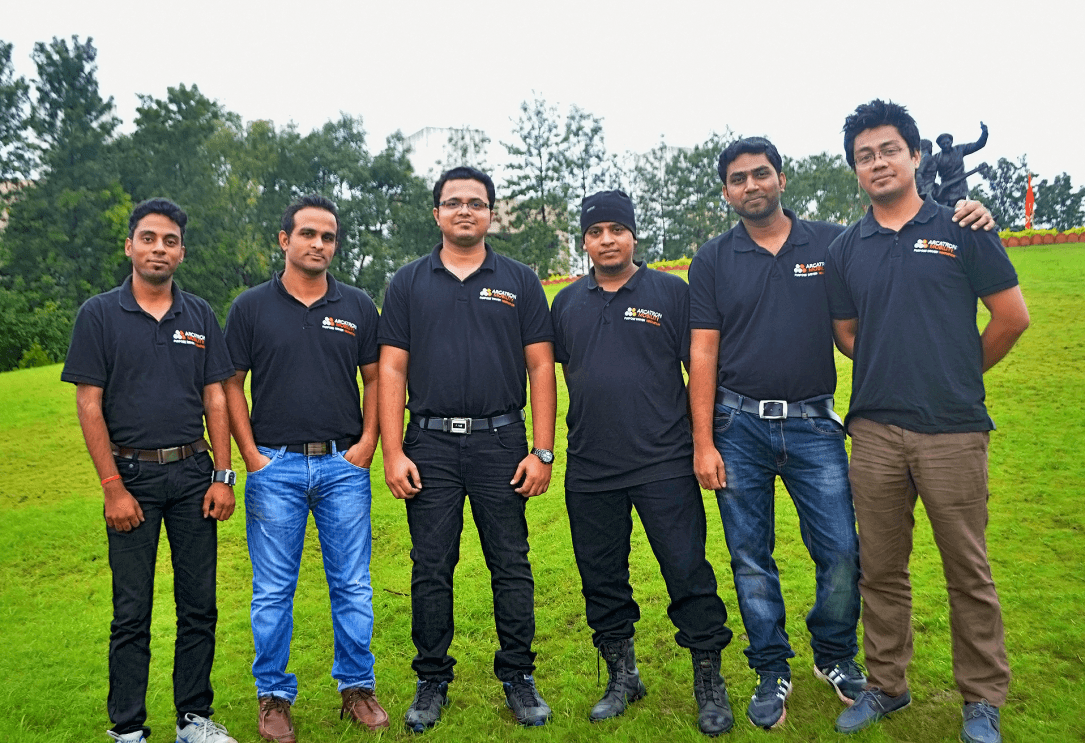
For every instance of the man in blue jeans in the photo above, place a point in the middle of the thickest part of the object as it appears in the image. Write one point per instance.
(461, 331)
(762, 378)
(148, 360)
(307, 447)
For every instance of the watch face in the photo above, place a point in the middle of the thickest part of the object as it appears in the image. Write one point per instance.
(545, 455)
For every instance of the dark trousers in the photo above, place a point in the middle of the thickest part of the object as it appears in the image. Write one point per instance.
(171, 493)
(453, 467)
(673, 515)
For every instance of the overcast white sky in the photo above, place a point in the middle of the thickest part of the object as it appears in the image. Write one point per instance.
(789, 70)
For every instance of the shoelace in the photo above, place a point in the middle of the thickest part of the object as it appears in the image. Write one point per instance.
(771, 685)
(274, 704)
(427, 692)
(206, 730)
(983, 709)
(851, 668)
(711, 690)
(351, 697)
(525, 693)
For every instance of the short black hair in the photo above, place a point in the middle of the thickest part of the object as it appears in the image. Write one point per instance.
(158, 205)
(944, 135)
(464, 173)
(749, 146)
(309, 200)
(879, 113)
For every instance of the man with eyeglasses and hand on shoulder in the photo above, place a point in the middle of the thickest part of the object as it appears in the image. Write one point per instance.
(903, 288)
(461, 331)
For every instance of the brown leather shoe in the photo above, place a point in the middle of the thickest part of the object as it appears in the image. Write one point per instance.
(361, 706)
(273, 720)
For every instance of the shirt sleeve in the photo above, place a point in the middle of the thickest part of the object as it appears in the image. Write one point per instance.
(394, 328)
(535, 324)
(217, 364)
(986, 264)
(557, 314)
(86, 360)
(841, 303)
(703, 310)
(683, 324)
(368, 350)
(239, 335)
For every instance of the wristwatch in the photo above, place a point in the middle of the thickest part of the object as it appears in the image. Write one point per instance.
(545, 455)
(226, 476)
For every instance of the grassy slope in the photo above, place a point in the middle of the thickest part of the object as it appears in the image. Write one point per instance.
(55, 590)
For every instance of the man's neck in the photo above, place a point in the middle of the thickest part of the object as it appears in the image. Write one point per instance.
(154, 299)
(612, 282)
(306, 288)
(462, 260)
(897, 212)
(771, 232)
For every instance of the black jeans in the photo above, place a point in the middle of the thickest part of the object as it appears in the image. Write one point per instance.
(172, 493)
(478, 465)
(673, 515)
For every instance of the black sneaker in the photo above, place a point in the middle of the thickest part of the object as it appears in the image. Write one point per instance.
(847, 677)
(523, 699)
(767, 708)
(425, 710)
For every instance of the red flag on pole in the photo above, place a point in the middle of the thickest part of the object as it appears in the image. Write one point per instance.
(1030, 204)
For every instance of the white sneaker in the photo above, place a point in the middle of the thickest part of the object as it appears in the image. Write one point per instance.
(202, 730)
(136, 737)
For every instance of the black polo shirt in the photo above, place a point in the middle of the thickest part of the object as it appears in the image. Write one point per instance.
(623, 354)
(303, 361)
(152, 373)
(465, 338)
(776, 337)
(918, 358)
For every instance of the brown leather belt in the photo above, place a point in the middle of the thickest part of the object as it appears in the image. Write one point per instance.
(162, 456)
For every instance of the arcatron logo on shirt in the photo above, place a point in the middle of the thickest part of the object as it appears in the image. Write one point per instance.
(938, 247)
(188, 338)
(498, 295)
(639, 315)
(343, 326)
(803, 270)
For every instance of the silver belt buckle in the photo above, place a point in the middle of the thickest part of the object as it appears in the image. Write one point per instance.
(762, 414)
(318, 449)
(458, 425)
(173, 454)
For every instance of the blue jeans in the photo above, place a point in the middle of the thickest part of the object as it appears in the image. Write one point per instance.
(809, 456)
(278, 499)
(170, 494)
(453, 467)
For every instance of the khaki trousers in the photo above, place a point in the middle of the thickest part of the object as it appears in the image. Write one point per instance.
(890, 466)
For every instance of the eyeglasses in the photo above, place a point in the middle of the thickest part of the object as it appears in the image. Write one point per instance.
(888, 152)
(455, 205)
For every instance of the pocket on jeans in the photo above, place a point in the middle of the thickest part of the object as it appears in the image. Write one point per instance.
(343, 456)
(271, 454)
(413, 433)
(128, 469)
(512, 437)
(722, 419)
(826, 427)
(203, 462)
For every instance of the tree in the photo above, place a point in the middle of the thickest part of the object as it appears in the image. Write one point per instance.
(700, 211)
(1058, 205)
(16, 160)
(465, 146)
(1004, 192)
(656, 197)
(822, 187)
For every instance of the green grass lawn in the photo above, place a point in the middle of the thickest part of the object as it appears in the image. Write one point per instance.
(55, 585)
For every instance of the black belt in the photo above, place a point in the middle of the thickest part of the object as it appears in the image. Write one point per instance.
(774, 410)
(161, 456)
(318, 448)
(467, 425)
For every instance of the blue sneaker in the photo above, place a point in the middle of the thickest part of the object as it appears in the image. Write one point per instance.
(524, 700)
(981, 723)
(767, 708)
(847, 677)
(871, 705)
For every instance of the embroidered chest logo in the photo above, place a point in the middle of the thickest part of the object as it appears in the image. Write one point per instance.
(806, 270)
(638, 315)
(937, 247)
(343, 326)
(498, 295)
(188, 338)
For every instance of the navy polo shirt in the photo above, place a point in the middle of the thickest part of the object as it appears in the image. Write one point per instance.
(918, 358)
(303, 361)
(623, 354)
(776, 336)
(465, 338)
(152, 372)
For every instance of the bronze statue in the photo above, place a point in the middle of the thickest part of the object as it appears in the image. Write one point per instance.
(927, 172)
(953, 184)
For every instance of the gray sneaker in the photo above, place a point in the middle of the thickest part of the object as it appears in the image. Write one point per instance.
(981, 723)
(767, 708)
(846, 677)
(134, 737)
(872, 705)
(524, 700)
(201, 730)
(429, 697)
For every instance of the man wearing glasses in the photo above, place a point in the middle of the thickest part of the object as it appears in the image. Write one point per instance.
(461, 331)
(903, 287)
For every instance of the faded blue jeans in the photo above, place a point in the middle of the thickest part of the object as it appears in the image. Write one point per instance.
(809, 456)
(278, 498)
